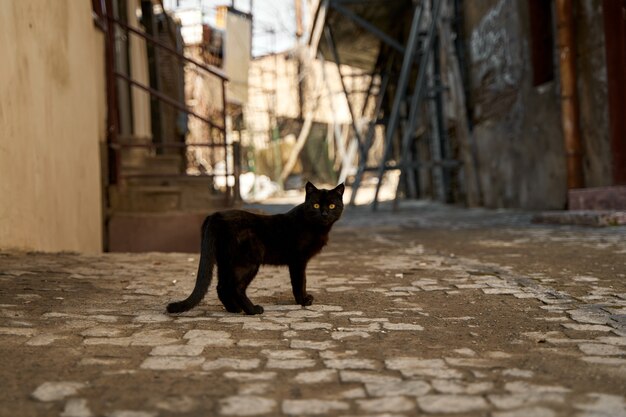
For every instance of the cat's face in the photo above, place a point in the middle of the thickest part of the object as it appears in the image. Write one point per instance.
(324, 206)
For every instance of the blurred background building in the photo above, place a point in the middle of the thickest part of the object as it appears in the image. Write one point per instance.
(124, 122)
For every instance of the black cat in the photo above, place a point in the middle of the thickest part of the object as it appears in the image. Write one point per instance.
(239, 242)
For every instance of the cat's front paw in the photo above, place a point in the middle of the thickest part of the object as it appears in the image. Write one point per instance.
(307, 300)
(257, 309)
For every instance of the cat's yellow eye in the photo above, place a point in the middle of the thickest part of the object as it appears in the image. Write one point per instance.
(316, 206)
(332, 206)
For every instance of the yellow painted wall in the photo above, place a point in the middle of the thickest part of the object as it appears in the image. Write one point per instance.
(52, 118)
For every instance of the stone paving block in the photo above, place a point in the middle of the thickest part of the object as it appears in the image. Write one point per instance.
(316, 377)
(177, 350)
(519, 373)
(100, 362)
(501, 291)
(402, 326)
(397, 388)
(131, 413)
(231, 363)
(347, 334)
(387, 404)
(367, 377)
(358, 320)
(517, 400)
(589, 317)
(445, 386)
(351, 394)
(290, 363)
(472, 362)
(526, 412)
(286, 354)
(239, 319)
(194, 319)
(351, 364)
(598, 349)
(116, 341)
(323, 307)
(209, 338)
(304, 314)
(412, 367)
(101, 332)
(13, 331)
(175, 403)
(264, 326)
(258, 342)
(329, 354)
(171, 362)
(246, 405)
(254, 388)
(54, 391)
(152, 318)
(76, 407)
(43, 340)
(451, 403)
(250, 376)
(312, 407)
(612, 340)
(311, 326)
(465, 352)
(524, 387)
(154, 337)
(587, 327)
(603, 360)
(290, 334)
(311, 344)
(596, 404)
(346, 313)
(341, 288)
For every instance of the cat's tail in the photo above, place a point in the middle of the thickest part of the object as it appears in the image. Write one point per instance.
(205, 271)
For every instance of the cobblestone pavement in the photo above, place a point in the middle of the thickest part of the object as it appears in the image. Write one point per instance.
(432, 311)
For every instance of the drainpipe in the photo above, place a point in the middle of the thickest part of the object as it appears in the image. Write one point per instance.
(569, 97)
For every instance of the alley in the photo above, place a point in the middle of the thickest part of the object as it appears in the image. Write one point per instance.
(433, 310)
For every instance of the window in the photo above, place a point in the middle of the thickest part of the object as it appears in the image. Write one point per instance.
(541, 40)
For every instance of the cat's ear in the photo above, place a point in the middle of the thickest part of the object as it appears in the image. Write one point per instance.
(339, 189)
(310, 188)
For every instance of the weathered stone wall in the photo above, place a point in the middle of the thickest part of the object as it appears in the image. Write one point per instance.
(593, 93)
(518, 133)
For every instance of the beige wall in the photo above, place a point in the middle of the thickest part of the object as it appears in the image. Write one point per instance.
(52, 117)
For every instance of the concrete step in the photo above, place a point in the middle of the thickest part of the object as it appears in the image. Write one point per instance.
(598, 198)
(155, 232)
(139, 198)
(153, 195)
(596, 218)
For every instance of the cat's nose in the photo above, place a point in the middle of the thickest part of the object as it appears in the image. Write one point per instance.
(324, 213)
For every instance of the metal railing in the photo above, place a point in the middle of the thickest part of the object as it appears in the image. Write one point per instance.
(217, 128)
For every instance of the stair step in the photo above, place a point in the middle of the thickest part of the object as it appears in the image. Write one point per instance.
(179, 194)
(598, 198)
(153, 165)
(145, 198)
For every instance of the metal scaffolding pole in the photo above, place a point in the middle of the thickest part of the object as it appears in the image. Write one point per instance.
(369, 137)
(331, 44)
(399, 96)
(418, 92)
